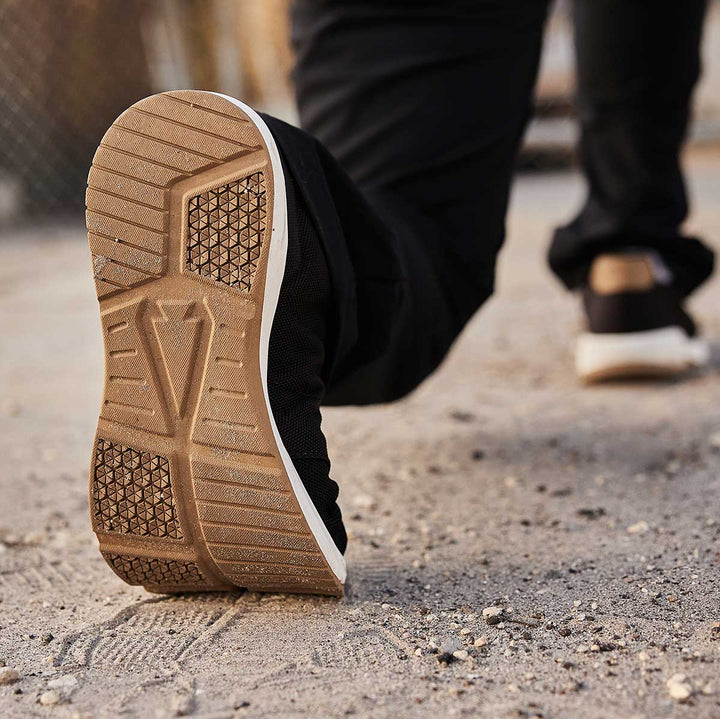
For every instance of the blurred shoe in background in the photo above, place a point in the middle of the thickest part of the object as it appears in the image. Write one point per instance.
(636, 325)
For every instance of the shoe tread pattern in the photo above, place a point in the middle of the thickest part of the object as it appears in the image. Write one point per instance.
(187, 488)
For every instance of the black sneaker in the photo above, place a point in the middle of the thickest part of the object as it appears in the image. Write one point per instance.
(637, 326)
(210, 469)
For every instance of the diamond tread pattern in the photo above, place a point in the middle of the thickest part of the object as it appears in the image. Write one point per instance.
(226, 227)
(131, 492)
(152, 571)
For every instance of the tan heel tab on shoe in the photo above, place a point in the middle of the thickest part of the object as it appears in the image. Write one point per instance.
(612, 274)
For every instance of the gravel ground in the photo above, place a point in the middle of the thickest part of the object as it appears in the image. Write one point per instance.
(521, 546)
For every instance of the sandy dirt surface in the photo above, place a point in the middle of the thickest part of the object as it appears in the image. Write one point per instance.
(588, 518)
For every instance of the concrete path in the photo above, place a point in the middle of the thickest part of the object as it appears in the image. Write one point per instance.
(590, 516)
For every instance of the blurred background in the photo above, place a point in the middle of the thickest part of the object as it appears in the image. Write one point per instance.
(69, 67)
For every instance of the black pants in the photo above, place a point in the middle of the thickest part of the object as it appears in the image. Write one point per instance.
(416, 110)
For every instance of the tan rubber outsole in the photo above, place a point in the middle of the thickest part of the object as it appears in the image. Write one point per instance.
(188, 490)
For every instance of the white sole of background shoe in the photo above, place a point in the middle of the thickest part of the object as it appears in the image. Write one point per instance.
(654, 353)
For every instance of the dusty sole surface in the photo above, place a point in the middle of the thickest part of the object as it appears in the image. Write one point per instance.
(188, 489)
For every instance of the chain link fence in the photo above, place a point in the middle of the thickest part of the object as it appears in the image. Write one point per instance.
(68, 68)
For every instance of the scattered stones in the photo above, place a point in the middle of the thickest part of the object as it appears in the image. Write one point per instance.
(602, 647)
(679, 687)
(8, 676)
(638, 528)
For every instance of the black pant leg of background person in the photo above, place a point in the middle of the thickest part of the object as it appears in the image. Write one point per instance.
(423, 105)
(637, 64)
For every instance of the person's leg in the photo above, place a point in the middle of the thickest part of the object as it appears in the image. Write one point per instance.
(241, 271)
(423, 105)
(637, 64)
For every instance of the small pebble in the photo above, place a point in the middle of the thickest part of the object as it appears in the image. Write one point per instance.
(49, 698)
(679, 687)
(446, 651)
(492, 614)
(638, 528)
(8, 676)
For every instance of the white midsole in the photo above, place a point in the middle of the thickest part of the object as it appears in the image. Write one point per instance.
(667, 348)
(275, 272)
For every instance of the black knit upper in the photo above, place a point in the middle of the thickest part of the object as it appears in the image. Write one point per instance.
(296, 356)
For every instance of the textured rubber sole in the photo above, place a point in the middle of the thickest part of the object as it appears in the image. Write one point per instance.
(664, 352)
(190, 487)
